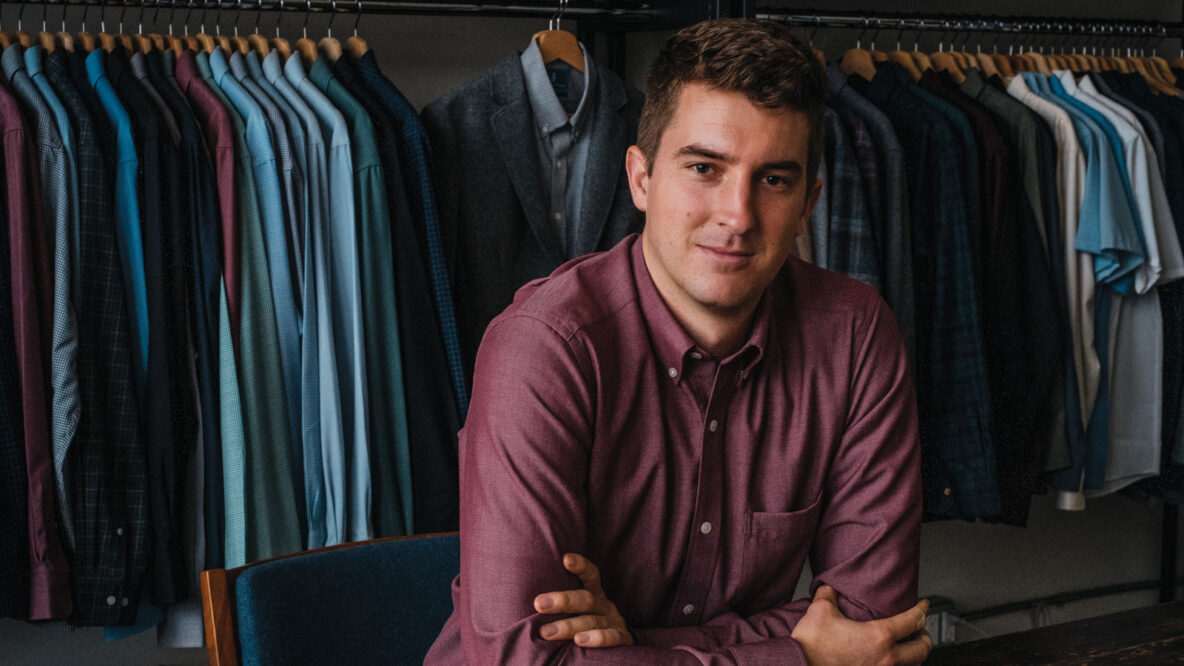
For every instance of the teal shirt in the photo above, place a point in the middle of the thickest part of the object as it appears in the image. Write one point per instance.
(267, 307)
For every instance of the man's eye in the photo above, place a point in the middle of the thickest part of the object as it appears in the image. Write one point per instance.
(775, 181)
(701, 168)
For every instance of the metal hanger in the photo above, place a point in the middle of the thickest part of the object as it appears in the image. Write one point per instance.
(555, 43)
(356, 46)
(305, 46)
(257, 42)
(329, 46)
(279, 43)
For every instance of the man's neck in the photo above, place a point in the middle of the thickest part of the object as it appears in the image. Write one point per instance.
(720, 332)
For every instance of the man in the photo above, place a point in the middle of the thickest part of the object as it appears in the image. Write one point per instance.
(661, 433)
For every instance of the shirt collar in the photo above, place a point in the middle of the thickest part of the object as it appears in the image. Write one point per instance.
(674, 347)
(549, 114)
(33, 60)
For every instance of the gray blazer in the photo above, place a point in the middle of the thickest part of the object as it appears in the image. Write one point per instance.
(491, 196)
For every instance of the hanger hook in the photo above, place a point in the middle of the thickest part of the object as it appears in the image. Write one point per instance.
(332, 15)
(307, 11)
(20, 15)
(278, 17)
(817, 26)
(258, 14)
(357, 18)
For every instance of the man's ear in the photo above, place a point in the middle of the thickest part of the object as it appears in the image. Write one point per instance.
(639, 177)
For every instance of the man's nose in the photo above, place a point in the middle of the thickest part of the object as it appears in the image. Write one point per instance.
(737, 206)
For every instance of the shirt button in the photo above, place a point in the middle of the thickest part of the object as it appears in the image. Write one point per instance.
(713, 425)
(696, 355)
(558, 216)
(124, 602)
(688, 609)
(559, 164)
(705, 528)
(119, 531)
(672, 372)
(110, 601)
(947, 492)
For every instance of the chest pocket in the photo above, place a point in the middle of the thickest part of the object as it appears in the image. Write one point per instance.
(775, 549)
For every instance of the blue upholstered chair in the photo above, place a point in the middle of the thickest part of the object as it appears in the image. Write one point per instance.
(374, 602)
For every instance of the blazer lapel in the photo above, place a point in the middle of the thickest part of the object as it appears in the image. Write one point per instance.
(514, 130)
(606, 159)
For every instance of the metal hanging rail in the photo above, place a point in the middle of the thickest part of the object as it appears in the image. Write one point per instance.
(638, 12)
(976, 23)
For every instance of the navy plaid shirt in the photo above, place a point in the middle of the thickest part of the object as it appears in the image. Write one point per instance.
(958, 456)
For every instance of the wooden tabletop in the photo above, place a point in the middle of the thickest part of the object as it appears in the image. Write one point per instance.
(1151, 635)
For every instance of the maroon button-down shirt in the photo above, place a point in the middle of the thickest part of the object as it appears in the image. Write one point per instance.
(32, 312)
(697, 486)
(218, 130)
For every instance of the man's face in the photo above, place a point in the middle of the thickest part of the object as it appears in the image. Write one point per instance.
(724, 199)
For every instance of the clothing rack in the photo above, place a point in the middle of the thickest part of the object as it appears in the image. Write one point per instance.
(632, 12)
(964, 23)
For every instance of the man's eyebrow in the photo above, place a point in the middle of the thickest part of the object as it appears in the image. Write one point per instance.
(696, 150)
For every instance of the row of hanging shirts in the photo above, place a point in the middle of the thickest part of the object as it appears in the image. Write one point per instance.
(1157, 70)
(201, 41)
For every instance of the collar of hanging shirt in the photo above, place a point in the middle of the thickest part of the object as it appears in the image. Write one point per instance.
(553, 91)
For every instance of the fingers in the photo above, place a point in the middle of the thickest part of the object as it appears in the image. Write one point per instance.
(914, 651)
(588, 573)
(827, 593)
(904, 624)
(572, 602)
(602, 638)
(569, 628)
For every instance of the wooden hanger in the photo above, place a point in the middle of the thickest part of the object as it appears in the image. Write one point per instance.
(223, 42)
(923, 62)
(858, 61)
(280, 44)
(987, 64)
(1003, 65)
(143, 43)
(176, 44)
(45, 39)
(206, 43)
(946, 62)
(1041, 62)
(330, 47)
(307, 50)
(905, 60)
(258, 43)
(65, 40)
(559, 45)
(126, 42)
(357, 47)
(107, 41)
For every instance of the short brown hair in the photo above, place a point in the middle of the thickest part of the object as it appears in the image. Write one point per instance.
(761, 59)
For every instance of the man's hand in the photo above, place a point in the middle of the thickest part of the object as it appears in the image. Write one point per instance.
(827, 637)
(597, 623)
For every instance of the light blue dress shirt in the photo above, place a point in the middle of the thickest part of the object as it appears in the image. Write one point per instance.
(392, 510)
(347, 471)
(319, 380)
